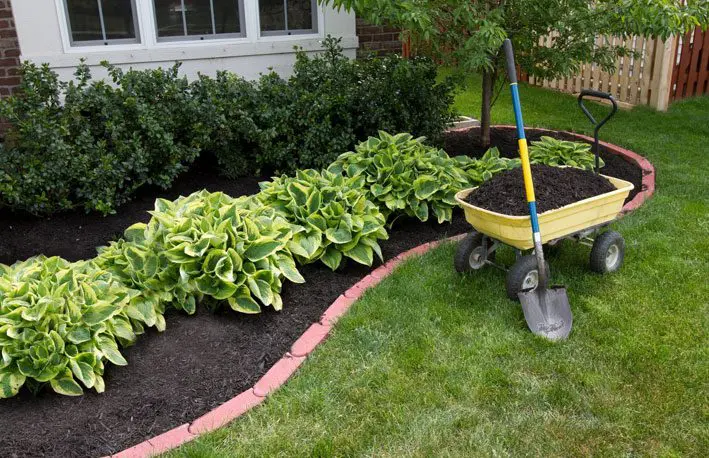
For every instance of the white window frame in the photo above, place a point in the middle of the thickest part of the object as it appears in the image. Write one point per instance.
(146, 29)
(211, 36)
(290, 32)
(102, 42)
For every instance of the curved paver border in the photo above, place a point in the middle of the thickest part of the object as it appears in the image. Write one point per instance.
(280, 372)
(317, 332)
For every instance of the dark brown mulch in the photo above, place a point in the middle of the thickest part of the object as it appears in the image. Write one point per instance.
(554, 187)
(199, 361)
(467, 142)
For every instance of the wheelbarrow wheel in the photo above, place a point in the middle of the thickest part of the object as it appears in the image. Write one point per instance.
(608, 252)
(470, 254)
(523, 275)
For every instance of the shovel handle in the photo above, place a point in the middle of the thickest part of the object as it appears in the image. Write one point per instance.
(524, 157)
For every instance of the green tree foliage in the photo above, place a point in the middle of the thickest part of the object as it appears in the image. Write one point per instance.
(468, 34)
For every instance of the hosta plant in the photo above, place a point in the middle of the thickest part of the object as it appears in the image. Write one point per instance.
(60, 322)
(551, 151)
(403, 175)
(331, 215)
(479, 170)
(207, 246)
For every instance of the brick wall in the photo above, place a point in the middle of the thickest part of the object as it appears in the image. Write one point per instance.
(376, 39)
(9, 51)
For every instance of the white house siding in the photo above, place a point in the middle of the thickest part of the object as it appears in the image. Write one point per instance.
(44, 38)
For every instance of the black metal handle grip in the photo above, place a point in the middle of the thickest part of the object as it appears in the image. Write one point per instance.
(596, 125)
(510, 60)
(600, 95)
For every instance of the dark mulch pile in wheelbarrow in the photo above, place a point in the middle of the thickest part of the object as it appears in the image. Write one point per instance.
(554, 187)
(467, 142)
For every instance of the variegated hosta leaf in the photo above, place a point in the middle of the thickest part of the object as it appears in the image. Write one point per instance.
(330, 213)
(403, 176)
(208, 245)
(60, 322)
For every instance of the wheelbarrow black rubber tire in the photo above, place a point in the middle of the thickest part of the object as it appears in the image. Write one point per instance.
(608, 252)
(462, 261)
(517, 277)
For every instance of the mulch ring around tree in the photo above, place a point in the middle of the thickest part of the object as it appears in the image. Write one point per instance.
(199, 361)
(467, 142)
(554, 187)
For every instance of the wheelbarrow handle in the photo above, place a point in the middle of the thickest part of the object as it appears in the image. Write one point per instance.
(597, 125)
(599, 95)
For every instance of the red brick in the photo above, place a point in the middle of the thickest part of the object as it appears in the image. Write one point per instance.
(171, 439)
(14, 52)
(277, 375)
(142, 450)
(338, 308)
(10, 81)
(310, 339)
(226, 412)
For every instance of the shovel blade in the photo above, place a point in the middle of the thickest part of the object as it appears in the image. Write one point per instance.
(547, 312)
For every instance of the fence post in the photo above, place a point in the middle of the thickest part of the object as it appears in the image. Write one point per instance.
(662, 74)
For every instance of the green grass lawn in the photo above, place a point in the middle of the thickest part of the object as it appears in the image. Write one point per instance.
(432, 363)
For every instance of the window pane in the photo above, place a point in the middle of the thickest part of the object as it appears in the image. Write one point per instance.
(300, 14)
(168, 15)
(118, 19)
(199, 17)
(272, 15)
(84, 20)
(226, 16)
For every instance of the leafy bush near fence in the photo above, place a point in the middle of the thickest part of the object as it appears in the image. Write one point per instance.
(90, 143)
(331, 214)
(60, 322)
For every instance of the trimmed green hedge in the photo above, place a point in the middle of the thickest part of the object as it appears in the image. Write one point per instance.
(92, 144)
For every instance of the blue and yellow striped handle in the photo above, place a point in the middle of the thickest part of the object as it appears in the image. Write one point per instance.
(522, 141)
(524, 156)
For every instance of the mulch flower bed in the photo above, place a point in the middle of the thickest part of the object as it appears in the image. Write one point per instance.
(467, 141)
(200, 361)
(554, 187)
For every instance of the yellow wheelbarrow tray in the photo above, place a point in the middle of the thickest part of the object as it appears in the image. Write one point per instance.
(577, 219)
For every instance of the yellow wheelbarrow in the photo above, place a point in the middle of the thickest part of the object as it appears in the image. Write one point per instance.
(582, 222)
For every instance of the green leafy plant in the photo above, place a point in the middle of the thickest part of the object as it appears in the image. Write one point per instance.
(327, 105)
(551, 151)
(92, 144)
(207, 246)
(331, 214)
(403, 175)
(468, 35)
(479, 170)
(60, 322)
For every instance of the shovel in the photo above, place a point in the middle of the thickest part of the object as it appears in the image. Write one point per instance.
(546, 310)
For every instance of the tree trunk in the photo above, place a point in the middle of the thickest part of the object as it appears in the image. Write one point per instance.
(488, 82)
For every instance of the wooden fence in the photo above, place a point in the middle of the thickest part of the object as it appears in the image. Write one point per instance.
(642, 80)
(691, 73)
(662, 72)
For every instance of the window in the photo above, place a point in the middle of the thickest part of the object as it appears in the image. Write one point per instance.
(101, 21)
(203, 19)
(288, 17)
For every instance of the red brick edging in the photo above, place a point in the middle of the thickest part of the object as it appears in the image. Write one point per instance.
(317, 332)
(280, 372)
